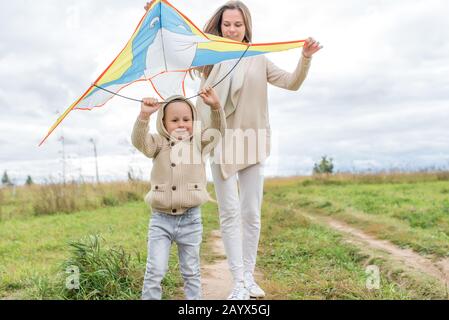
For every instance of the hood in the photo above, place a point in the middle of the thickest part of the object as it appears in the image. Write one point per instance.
(160, 117)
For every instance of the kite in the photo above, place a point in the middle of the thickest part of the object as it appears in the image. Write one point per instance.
(165, 46)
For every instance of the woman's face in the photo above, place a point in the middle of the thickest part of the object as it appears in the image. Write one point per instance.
(233, 25)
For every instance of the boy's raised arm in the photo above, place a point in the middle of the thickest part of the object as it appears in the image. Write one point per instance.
(212, 135)
(146, 143)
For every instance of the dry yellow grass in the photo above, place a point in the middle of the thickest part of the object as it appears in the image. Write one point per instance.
(385, 177)
(26, 201)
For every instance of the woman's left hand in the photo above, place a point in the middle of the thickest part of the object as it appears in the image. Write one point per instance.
(311, 46)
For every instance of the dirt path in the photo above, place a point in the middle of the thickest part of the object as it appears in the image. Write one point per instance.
(216, 278)
(438, 269)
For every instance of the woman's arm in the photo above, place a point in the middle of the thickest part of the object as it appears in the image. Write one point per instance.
(293, 81)
(286, 80)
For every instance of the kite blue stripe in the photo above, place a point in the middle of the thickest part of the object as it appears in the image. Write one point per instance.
(206, 57)
(140, 48)
(172, 21)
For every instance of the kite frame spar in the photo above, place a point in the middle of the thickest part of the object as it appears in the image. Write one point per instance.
(95, 84)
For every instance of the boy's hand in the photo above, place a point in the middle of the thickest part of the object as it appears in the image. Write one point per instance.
(148, 107)
(210, 98)
(147, 6)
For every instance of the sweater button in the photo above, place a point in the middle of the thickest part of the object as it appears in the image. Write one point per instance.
(174, 211)
(172, 144)
(196, 186)
(173, 165)
(174, 188)
(156, 187)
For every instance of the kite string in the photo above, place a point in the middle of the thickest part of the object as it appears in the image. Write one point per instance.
(233, 68)
(195, 96)
(116, 94)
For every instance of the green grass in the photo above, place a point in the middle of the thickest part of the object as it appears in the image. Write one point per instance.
(37, 247)
(412, 215)
(299, 258)
(304, 260)
(33, 251)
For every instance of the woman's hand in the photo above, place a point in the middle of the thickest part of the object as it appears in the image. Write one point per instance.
(148, 107)
(311, 46)
(210, 98)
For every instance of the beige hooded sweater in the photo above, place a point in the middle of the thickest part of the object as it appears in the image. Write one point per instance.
(244, 96)
(178, 177)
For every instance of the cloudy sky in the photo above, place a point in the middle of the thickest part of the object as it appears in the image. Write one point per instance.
(377, 96)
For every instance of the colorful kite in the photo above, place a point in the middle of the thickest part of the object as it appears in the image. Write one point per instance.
(165, 46)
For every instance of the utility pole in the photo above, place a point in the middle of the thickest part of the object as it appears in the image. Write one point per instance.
(63, 159)
(63, 151)
(96, 159)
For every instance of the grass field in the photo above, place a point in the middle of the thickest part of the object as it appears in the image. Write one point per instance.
(299, 258)
(321, 265)
(410, 213)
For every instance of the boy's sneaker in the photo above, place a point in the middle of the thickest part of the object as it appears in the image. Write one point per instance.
(239, 292)
(254, 290)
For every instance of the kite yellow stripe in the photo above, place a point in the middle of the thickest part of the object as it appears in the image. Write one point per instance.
(217, 44)
(222, 46)
(65, 114)
(123, 62)
(277, 46)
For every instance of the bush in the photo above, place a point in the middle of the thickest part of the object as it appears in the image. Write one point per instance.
(132, 196)
(110, 201)
(104, 274)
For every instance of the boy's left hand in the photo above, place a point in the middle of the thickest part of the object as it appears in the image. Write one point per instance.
(210, 98)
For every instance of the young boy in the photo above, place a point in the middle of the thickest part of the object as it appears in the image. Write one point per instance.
(178, 188)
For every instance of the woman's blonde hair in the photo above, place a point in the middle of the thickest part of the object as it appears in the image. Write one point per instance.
(213, 26)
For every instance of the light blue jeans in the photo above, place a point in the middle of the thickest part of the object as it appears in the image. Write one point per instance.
(186, 231)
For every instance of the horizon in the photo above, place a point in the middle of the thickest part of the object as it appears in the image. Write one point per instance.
(138, 178)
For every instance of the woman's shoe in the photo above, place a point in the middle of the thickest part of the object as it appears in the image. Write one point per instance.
(253, 288)
(239, 292)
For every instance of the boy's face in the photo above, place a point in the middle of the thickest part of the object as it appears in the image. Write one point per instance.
(178, 120)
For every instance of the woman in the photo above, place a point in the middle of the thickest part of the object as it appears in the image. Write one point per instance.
(239, 179)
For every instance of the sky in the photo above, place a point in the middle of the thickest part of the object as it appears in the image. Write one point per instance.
(376, 97)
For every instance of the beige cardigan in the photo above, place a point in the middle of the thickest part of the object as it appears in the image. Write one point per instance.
(177, 184)
(245, 97)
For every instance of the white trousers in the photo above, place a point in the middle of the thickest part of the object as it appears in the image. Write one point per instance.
(240, 204)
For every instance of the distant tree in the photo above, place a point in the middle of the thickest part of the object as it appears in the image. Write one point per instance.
(5, 179)
(29, 181)
(325, 166)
